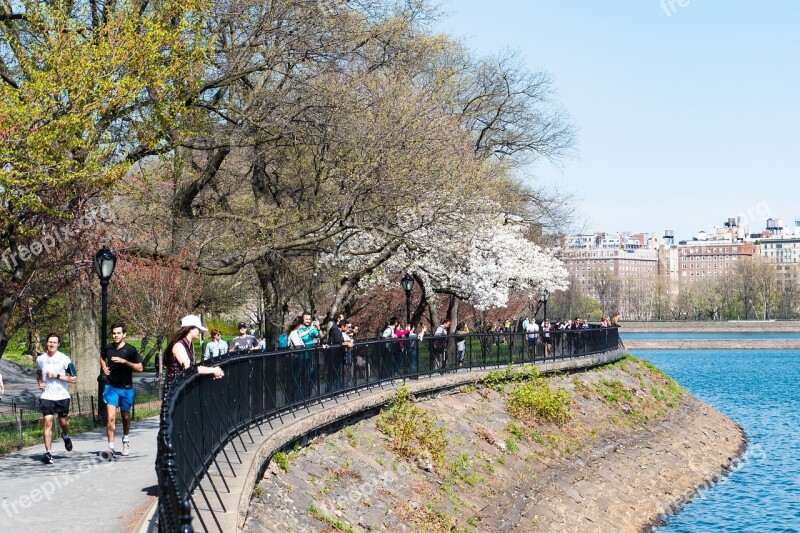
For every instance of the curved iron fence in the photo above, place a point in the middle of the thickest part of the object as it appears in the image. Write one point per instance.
(200, 416)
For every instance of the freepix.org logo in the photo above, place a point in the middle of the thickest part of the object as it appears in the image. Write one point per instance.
(53, 237)
(671, 6)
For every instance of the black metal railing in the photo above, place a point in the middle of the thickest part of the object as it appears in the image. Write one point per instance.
(201, 416)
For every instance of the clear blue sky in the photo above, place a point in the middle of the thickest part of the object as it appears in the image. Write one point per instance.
(685, 119)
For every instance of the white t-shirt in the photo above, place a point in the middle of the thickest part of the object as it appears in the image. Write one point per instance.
(295, 341)
(54, 389)
(532, 330)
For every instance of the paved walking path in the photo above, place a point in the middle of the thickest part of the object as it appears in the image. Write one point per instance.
(81, 491)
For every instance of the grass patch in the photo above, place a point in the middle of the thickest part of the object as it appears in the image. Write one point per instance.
(498, 378)
(282, 460)
(22, 359)
(333, 522)
(350, 435)
(32, 430)
(612, 390)
(659, 375)
(412, 430)
(538, 437)
(515, 431)
(582, 388)
(461, 469)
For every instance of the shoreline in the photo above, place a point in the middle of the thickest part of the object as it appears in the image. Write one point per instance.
(711, 344)
(717, 326)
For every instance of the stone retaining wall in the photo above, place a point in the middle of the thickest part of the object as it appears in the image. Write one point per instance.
(719, 326)
(712, 344)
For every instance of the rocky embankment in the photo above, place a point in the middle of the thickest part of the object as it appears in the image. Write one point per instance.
(611, 449)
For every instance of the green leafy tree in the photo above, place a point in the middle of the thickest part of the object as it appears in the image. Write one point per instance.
(87, 88)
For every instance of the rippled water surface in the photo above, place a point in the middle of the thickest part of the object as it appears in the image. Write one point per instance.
(761, 391)
(707, 335)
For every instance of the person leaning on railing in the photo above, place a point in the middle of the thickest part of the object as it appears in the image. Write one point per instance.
(179, 354)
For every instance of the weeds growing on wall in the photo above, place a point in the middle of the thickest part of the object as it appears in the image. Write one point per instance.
(412, 430)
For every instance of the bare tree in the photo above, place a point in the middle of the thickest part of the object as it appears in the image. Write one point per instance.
(606, 287)
(765, 281)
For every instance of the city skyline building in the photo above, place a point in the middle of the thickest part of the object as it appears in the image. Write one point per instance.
(636, 272)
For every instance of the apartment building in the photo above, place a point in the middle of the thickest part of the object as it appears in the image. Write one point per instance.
(703, 260)
(611, 267)
(626, 270)
(780, 246)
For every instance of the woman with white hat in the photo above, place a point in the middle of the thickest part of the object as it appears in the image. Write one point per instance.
(180, 351)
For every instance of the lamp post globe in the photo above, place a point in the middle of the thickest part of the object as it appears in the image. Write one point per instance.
(408, 285)
(104, 263)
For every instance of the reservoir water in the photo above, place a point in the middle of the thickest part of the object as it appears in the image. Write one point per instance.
(761, 391)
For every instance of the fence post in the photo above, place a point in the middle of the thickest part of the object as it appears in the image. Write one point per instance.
(21, 443)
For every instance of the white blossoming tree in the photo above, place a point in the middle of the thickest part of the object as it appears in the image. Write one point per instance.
(477, 257)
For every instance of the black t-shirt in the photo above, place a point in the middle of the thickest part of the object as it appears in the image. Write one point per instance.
(121, 375)
(335, 335)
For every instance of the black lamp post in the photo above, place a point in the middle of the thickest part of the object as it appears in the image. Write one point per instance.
(408, 285)
(104, 263)
(545, 296)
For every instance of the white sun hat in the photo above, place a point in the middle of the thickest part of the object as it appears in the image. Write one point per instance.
(192, 321)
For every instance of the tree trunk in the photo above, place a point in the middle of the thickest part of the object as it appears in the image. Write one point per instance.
(452, 313)
(84, 338)
(273, 314)
(10, 294)
(419, 311)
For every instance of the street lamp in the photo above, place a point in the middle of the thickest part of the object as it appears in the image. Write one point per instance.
(104, 263)
(545, 296)
(408, 285)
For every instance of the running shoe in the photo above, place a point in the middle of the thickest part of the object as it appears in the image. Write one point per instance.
(126, 448)
(68, 444)
(47, 458)
(108, 454)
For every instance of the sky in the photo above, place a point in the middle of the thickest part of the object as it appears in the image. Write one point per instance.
(687, 110)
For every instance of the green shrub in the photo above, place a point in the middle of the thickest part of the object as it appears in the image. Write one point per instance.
(535, 399)
(411, 428)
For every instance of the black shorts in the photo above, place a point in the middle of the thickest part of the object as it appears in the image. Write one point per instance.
(50, 407)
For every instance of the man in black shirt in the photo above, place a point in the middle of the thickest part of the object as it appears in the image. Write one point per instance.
(123, 359)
